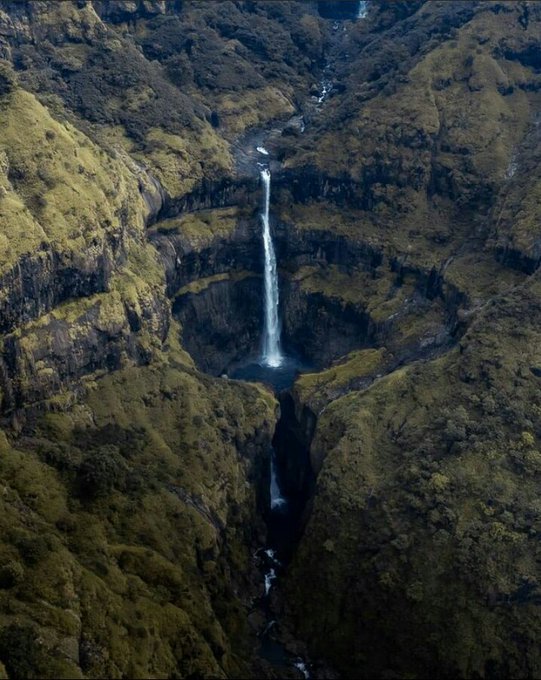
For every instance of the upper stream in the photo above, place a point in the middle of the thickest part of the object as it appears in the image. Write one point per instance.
(290, 477)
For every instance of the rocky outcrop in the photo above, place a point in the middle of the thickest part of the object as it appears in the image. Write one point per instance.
(48, 359)
(40, 282)
(221, 324)
(119, 12)
(393, 520)
(301, 246)
(338, 10)
(132, 484)
(81, 290)
(186, 260)
(214, 194)
(321, 328)
(203, 445)
(308, 183)
(220, 309)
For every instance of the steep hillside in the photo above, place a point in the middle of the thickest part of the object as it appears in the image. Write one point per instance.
(131, 482)
(424, 523)
(426, 512)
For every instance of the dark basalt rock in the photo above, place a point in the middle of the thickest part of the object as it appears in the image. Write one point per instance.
(216, 194)
(119, 11)
(309, 184)
(527, 55)
(41, 281)
(183, 263)
(222, 324)
(517, 259)
(298, 247)
(154, 196)
(322, 329)
(63, 352)
(222, 320)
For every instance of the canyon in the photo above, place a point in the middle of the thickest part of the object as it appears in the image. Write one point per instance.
(269, 322)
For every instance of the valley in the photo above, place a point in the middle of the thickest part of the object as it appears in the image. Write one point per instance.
(269, 315)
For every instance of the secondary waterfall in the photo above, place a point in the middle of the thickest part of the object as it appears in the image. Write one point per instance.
(272, 355)
(276, 498)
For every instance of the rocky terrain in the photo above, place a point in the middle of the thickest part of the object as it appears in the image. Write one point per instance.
(404, 150)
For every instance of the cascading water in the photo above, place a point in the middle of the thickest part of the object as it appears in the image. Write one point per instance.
(283, 513)
(363, 9)
(272, 355)
(276, 498)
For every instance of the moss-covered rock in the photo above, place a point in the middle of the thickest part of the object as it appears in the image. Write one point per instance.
(132, 518)
(424, 520)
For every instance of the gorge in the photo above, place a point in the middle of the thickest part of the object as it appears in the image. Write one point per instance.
(270, 321)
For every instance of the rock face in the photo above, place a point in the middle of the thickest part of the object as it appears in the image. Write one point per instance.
(171, 452)
(221, 323)
(337, 293)
(132, 482)
(417, 464)
(412, 511)
(71, 303)
(207, 243)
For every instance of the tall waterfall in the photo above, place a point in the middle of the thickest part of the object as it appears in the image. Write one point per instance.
(363, 9)
(272, 355)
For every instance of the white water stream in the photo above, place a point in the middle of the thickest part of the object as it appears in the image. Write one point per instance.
(272, 354)
(276, 498)
(273, 358)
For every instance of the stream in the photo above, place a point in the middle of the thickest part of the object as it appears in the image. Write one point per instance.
(286, 501)
(290, 478)
(284, 519)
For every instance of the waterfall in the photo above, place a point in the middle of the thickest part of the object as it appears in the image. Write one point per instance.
(272, 356)
(276, 498)
(363, 9)
(301, 666)
(270, 576)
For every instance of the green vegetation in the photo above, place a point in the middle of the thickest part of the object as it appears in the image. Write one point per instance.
(171, 158)
(127, 516)
(379, 294)
(128, 507)
(318, 389)
(167, 85)
(245, 110)
(58, 186)
(122, 519)
(200, 285)
(427, 505)
(201, 228)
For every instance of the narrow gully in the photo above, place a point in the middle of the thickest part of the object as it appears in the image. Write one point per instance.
(290, 484)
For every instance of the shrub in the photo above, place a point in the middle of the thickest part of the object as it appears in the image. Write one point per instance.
(33, 548)
(19, 651)
(102, 470)
(11, 573)
(8, 79)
